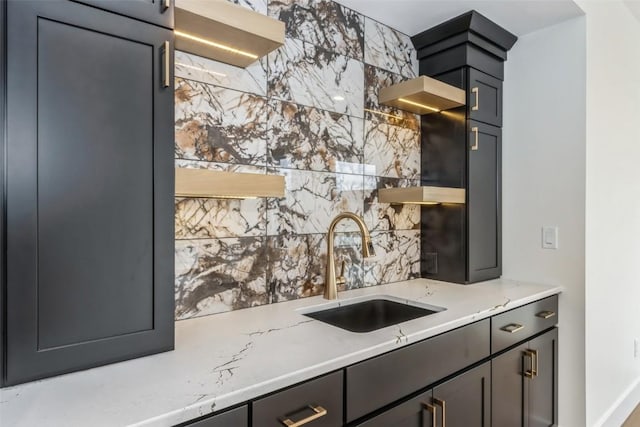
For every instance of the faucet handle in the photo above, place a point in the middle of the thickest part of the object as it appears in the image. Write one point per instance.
(341, 280)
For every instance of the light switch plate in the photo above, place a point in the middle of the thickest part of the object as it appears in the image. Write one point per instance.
(550, 237)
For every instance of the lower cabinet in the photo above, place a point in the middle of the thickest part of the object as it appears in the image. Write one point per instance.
(525, 384)
(500, 372)
(317, 403)
(463, 401)
(238, 417)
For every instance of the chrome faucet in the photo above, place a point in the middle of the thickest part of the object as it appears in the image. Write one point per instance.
(331, 281)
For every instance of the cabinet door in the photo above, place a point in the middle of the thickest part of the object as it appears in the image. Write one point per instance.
(484, 98)
(416, 412)
(543, 387)
(465, 401)
(484, 202)
(508, 388)
(90, 189)
(159, 12)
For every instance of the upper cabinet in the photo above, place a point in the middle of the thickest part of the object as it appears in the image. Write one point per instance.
(89, 194)
(159, 12)
(484, 98)
(463, 148)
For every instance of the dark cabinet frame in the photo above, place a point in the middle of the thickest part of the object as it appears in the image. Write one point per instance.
(23, 359)
(158, 12)
(462, 244)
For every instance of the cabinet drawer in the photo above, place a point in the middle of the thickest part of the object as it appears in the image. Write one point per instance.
(521, 323)
(377, 382)
(318, 400)
(238, 417)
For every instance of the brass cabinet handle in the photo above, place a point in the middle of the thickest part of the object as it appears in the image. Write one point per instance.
(443, 405)
(477, 94)
(533, 355)
(431, 409)
(319, 412)
(166, 65)
(166, 4)
(547, 314)
(512, 328)
(474, 129)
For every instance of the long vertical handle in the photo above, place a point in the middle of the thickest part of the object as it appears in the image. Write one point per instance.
(476, 92)
(166, 64)
(443, 405)
(533, 356)
(475, 131)
(166, 4)
(431, 409)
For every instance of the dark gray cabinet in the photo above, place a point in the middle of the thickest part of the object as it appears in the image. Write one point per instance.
(399, 373)
(453, 379)
(484, 202)
(238, 417)
(484, 98)
(464, 401)
(525, 384)
(159, 12)
(462, 149)
(318, 402)
(89, 194)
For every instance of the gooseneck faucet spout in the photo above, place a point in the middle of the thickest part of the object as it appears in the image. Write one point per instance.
(331, 282)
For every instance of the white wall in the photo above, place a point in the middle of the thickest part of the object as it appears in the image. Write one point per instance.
(544, 184)
(612, 209)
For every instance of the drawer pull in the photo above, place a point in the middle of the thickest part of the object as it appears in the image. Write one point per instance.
(533, 355)
(512, 328)
(442, 404)
(547, 314)
(431, 409)
(477, 96)
(319, 412)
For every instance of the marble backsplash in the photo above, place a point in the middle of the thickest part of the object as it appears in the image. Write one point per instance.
(309, 111)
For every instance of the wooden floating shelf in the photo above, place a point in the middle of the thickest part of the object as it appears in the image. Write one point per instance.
(421, 195)
(227, 185)
(225, 32)
(422, 95)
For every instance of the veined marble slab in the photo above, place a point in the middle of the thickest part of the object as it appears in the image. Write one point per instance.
(226, 359)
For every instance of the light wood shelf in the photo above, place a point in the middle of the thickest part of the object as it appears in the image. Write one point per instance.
(421, 195)
(422, 95)
(227, 185)
(225, 32)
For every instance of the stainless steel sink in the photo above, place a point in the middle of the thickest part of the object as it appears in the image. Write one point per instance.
(371, 313)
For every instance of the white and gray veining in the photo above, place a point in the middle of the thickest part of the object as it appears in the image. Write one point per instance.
(309, 75)
(311, 139)
(391, 151)
(323, 23)
(384, 216)
(389, 49)
(312, 200)
(219, 125)
(218, 275)
(252, 79)
(259, 6)
(220, 360)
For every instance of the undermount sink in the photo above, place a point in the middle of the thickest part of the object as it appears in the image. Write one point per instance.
(371, 313)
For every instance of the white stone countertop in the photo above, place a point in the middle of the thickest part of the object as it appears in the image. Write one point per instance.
(229, 358)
